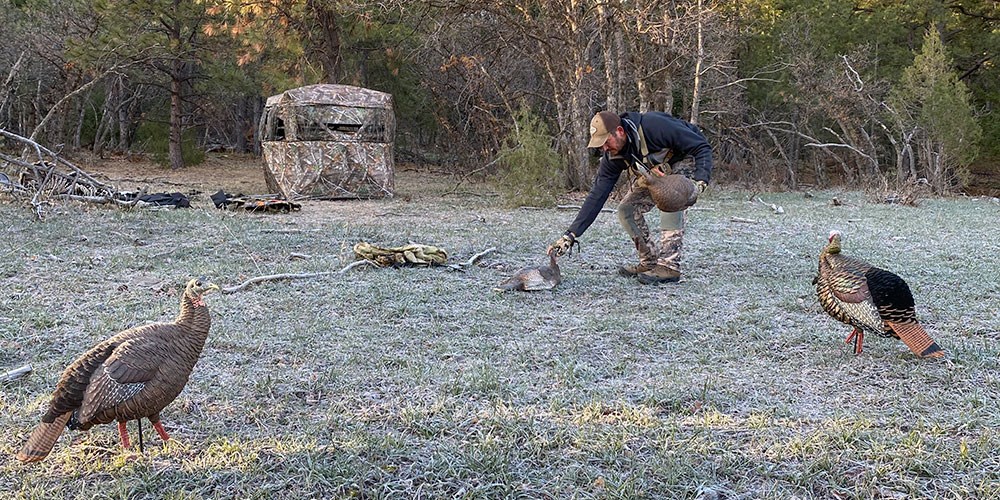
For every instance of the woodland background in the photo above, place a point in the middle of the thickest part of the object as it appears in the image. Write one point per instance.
(873, 94)
(419, 382)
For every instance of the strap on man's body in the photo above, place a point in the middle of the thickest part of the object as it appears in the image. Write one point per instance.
(651, 161)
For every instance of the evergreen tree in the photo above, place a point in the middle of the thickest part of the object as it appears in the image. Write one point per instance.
(939, 104)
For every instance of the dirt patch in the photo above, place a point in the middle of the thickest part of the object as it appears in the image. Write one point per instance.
(232, 173)
(244, 174)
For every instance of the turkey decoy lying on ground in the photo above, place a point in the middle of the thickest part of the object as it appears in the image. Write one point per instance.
(869, 299)
(130, 376)
(533, 278)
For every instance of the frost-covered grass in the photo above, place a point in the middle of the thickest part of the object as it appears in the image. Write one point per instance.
(391, 383)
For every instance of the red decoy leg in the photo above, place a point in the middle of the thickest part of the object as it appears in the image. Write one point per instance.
(161, 431)
(123, 432)
(857, 336)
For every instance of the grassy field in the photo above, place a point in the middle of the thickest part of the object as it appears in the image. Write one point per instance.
(423, 383)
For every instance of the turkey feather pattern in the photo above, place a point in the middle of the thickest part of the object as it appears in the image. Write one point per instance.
(132, 375)
(870, 299)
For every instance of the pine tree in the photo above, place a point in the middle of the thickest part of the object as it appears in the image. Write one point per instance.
(939, 104)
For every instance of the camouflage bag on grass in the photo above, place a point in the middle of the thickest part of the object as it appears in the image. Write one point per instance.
(413, 254)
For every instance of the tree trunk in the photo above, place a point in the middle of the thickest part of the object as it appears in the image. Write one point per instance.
(175, 148)
(8, 85)
(579, 136)
(327, 47)
(176, 151)
(123, 117)
(111, 99)
(80, 115)
(612, 52)
(258, 110)
(699, 60)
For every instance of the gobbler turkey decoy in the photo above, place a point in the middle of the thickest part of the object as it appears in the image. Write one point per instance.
(130, 376)
(533, 278)
(870, 299)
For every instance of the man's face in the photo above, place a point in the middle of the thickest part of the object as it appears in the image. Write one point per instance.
(615, 142)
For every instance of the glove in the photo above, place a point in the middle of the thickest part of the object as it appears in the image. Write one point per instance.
(701, 185)
(563, 245)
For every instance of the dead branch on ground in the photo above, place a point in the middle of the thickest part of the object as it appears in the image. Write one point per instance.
(472, 260)
(292, 276)
(15, 374)
(362, 262)
(52, 176)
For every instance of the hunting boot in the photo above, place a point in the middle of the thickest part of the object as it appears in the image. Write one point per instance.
(668, 265)
(631, 215)
(647, 259)
(667, 268)
(633, 270)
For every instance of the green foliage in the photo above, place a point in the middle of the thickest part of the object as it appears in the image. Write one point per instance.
(91, 119)
(412, 102)
(821, 30)
(990, 141)
(154, 139)
(940, 105)
(529, 172)
(390, 71)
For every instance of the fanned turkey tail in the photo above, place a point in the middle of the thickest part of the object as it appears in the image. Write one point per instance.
(917, 339)
(43, 438)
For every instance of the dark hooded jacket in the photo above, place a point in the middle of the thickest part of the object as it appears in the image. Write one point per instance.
(668, 140)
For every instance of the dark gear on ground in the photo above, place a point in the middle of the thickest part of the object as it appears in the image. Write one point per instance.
(413, 254)
(176, 200)
(255, 203)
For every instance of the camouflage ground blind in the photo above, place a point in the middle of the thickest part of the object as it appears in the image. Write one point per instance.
(329, 142)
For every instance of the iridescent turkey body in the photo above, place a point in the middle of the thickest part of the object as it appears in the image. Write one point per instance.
(132, 375)
(870, 299)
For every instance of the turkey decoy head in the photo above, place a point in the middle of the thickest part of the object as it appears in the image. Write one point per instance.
(198, 287)
(834, 245)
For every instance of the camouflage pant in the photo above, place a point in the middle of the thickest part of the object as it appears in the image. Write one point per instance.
(632, 215)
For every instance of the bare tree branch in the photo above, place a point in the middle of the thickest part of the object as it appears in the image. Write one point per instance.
(5, 89)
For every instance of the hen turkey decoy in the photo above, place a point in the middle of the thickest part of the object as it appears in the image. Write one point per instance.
(869, 299)
(533, 278)
(130, 376)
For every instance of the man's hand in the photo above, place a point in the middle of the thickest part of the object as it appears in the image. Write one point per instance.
(563, 245)
(701, 185)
